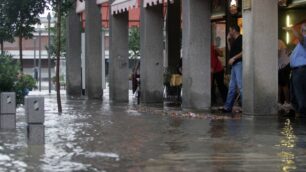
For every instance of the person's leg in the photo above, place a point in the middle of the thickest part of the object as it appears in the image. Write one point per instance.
(279, 93)
(293, 92)
(231, 91)
(300, 90)
(221, 86)
(287, 72)
(238, 71)
(213, 89)
(286, 93)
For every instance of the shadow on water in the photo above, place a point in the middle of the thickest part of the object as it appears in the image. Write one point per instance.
(91, 135)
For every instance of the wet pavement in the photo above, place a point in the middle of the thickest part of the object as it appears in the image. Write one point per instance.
(94, 136)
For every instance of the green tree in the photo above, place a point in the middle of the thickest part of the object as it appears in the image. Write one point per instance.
(6, 29)
(24, 14)
(134, 41)
(53, 44)
(11, 80)
(61, 7)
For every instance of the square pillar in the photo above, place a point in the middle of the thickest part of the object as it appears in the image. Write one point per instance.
(8, 110)
(35, 117)
(73, 60)
(151, 50)
(174, 34)
(260, 62)
(196, 54)
(93, 53)
(119, 58)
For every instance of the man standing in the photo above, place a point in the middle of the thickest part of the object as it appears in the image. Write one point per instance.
(234, 41)
(298, 66)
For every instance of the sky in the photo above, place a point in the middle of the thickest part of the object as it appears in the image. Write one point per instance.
(46, 13)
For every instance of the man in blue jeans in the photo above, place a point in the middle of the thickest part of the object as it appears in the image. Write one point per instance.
(234, 42)
(298, 76)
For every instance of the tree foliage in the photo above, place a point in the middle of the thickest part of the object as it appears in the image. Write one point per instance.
(62, 7)
(53, 44)
(23, 16)
(13, 81)
(134, 41)
(6, 29)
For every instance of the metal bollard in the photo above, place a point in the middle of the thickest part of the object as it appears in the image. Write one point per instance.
(8, 110)
(34, 109)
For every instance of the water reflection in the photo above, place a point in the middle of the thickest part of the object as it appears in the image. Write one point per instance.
(35, 154)
(217, 129)
(175, 136)
(287, 144)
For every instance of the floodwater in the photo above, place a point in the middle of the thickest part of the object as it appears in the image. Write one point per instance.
(94, 136)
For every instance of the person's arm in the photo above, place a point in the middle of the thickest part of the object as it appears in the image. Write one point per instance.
(235, 58)
(228, 39)
(219, 52)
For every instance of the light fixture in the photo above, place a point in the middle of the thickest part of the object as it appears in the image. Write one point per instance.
(288, 24)
(233, 8)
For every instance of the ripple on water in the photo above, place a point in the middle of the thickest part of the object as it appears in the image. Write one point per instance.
(101, 155)
(4, 158)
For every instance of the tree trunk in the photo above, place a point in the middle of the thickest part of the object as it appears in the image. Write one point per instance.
(58, 55)
(20, 54)
(2, 51)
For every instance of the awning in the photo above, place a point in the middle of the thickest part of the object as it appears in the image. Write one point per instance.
(119, 6)
(147, 3)
(101, 1)
(80, 6)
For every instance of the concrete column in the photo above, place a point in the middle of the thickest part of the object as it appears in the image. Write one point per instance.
(35, 117)
(151, 50)
(93, 53)
(119, 58)
(8, 110)
(260, 71)
(73, 60)
(174, 34)
(196, 54)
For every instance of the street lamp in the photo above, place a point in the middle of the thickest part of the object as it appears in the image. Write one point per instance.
(39, 54)
(34, 47)
(34, 64)
(49, 45)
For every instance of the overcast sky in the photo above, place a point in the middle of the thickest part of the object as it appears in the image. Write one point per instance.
(46, 12)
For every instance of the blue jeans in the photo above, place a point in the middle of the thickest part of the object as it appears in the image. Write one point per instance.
(298, 90)
(236, 81)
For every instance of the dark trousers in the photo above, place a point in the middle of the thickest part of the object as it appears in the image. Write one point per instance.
(218, 77)
(298, 90)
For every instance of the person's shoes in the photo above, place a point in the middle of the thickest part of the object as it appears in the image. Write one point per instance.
(238, 110)
(223, 110)
(287, 106)
(226, 111)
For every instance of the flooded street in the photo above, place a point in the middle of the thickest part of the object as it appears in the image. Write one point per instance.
(94, 136)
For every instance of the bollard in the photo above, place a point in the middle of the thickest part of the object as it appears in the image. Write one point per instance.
(8, 121)
(36, 134)
(34, 109)
(8, 110)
